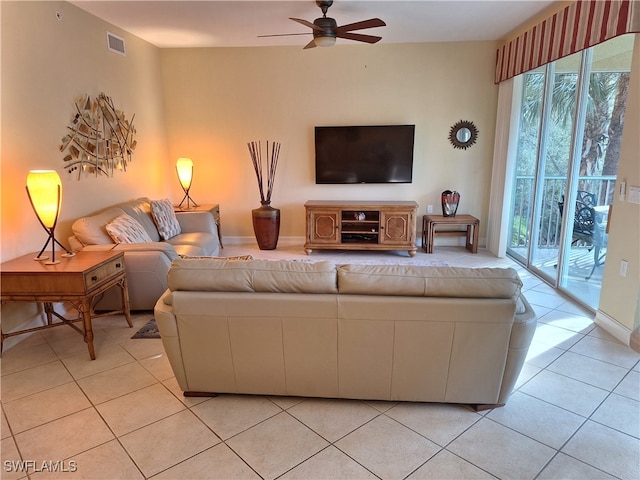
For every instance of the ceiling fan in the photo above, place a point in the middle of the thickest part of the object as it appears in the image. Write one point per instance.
(325, 29)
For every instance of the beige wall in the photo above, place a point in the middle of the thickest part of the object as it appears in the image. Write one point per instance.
(218, 99)
(619, 298)
(46, 64)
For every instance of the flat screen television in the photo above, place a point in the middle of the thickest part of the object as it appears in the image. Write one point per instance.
(364, 154)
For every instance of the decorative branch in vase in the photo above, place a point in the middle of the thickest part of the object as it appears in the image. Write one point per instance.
(255, 150)
(266, 219)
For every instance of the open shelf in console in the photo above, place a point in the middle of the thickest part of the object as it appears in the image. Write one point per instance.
(360, 226)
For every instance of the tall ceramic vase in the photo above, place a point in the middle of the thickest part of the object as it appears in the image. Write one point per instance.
(266, 226)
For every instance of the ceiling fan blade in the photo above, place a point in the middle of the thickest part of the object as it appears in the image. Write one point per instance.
(283, 34)
(306, 23)
(359, 37)
(371, 23)
(311, 44)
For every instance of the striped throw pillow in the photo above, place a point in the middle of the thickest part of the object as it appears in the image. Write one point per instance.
(165, 218)
(126, 229)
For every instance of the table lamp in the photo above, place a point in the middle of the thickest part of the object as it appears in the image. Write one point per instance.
(44, 190)
(184, 167)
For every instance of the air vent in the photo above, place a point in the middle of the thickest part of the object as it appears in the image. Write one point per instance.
(115, 43)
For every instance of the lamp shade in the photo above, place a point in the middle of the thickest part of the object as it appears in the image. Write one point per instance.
(45, 192)
(184, 167)
(325, 41)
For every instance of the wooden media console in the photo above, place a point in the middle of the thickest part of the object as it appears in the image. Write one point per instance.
(366, 225)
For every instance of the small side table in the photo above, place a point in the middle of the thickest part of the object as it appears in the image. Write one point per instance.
(212, 208)
(431, 222)
(76, 280)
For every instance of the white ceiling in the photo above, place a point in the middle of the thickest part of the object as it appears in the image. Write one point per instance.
(238, 23)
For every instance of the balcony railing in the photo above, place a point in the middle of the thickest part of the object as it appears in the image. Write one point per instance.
(553, 191)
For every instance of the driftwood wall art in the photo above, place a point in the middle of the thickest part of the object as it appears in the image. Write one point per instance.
(100, 138)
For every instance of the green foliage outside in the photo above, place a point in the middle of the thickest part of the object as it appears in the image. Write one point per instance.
(599, 151)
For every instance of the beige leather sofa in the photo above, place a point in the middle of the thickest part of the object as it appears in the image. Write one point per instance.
(147, 263)
(378, 332)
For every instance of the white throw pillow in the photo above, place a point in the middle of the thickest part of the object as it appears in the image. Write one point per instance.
(165, 218)
(126, 229)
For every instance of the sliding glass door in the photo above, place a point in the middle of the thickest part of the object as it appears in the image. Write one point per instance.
(571, 119)
(554, 154)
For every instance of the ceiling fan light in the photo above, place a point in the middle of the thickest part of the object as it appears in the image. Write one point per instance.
(324, 41)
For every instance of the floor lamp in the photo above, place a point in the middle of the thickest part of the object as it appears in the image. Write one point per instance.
(44, 190)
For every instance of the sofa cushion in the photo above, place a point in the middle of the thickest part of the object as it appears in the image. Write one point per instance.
(428, 281)
(282, 276)
(140, 209)
(196, 244)
(126, 229)
(187, 250)
(92, 230)
(165, 218)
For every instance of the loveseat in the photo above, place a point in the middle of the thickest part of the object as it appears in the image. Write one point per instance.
(376, 332)
(147, 262)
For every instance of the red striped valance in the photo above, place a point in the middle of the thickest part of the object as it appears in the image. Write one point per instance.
(581, 25)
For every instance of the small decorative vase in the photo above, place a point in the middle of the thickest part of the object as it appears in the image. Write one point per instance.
(266, 226)
(450, 202)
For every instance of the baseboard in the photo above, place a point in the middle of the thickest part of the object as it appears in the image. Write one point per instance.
(613, 327)
(248, 240)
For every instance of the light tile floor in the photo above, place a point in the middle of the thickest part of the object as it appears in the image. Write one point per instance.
(574, 414)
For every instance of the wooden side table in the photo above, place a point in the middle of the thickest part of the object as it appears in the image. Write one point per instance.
(76, 280)
(212, 208)
(431, 222)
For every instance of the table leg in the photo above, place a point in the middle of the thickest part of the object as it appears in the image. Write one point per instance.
(424, 234)
(125, 300)
(476, 230)
(48, 310)
(431, 226)
(472, 237)
(85, 307)
(427, 239)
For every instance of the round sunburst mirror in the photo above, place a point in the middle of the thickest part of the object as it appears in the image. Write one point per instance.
(463, 134)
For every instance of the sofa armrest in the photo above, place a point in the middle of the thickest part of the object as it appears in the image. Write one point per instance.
(167, 326)
(522, 331)
(104, 247)
(75, 244)
(161, 247)
(191, 222)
